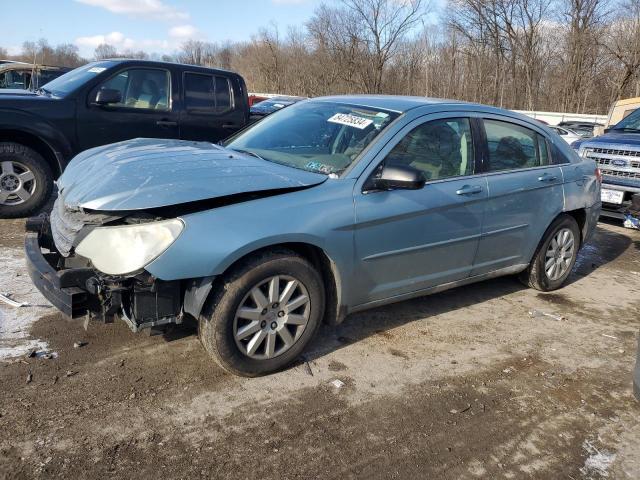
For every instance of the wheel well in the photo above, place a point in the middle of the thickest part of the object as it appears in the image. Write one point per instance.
(580, 217)
(33, 141)
(324, 265)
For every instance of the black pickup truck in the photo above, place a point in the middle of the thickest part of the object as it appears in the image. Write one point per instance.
(106, 102)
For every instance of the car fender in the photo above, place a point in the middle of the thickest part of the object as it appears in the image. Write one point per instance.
(215, 239)
(22, 121)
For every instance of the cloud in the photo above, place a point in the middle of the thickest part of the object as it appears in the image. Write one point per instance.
(183, 32)
(121, 42)
(289, 2)
(155, 9)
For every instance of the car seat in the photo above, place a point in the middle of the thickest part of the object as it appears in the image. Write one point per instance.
(509, 154)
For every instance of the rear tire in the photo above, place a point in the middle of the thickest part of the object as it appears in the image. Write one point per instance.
(26, 180)
(555, 256)
(252, 335)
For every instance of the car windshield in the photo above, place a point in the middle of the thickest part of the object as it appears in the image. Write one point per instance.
(322, 137)
(629, 123)
(67, 83)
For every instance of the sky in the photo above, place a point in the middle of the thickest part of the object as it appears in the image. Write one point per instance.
(155, 26)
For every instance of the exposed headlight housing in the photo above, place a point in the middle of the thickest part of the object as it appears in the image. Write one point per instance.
(126, 248)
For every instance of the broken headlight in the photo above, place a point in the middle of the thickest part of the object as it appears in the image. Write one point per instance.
(127, 248)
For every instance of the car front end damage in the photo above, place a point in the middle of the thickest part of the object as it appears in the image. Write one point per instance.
(78, 289)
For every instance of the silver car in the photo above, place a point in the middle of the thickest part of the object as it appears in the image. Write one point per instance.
(328, 207)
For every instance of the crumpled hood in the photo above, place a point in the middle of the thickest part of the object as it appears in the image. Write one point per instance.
(150, 173)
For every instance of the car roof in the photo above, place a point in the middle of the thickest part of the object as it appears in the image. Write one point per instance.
(396, 103)
(402, 104)
(154, 63)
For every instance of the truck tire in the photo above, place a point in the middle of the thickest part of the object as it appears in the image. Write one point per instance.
(555, 256)
(26, 180)
(253, 325)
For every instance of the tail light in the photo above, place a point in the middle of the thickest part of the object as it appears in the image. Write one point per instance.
(598, 175)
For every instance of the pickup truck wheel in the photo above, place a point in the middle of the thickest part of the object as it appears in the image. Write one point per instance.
(555, 257)
(26, 180)
(263, 313)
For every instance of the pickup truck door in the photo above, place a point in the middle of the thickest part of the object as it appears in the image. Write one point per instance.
(210, 112)
(145, 109)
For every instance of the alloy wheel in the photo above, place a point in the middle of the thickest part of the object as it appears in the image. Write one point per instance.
(559, 254)
(271, 317)
(17, 183)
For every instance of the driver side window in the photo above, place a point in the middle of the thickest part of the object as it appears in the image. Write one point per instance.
(440, 149)
(141, 88)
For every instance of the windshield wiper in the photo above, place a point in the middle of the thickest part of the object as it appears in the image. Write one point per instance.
(43, 90)
(247, 152)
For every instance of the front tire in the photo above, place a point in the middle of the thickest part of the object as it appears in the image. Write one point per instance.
(555, 257)
(26, 180)
(263, 313)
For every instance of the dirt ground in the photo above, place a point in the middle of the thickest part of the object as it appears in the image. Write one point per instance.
(459, 385)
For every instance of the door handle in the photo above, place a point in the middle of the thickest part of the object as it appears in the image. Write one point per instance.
(229, 126)
(547, 178)
(166, 123)
(469, 190)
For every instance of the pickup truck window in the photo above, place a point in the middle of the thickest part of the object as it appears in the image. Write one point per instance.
(513, 147)
(144, 88)
(440, 148)
(207, 93)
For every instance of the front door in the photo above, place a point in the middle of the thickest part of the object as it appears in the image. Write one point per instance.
(144, 111)
(525, 195)
(410, 240)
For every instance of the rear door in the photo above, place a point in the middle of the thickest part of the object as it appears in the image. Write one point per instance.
(211, 110)
(145, 109)
(410, 240)
(525, 194)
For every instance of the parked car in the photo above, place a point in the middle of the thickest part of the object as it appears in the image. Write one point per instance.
(327, 207)
(26, 76)
(255, 98)
(566, 134)
(617, 153)
(105, 102)
(266, 107)
(618, 111)
(584, 129)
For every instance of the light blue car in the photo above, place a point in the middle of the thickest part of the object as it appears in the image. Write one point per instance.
(328, 207)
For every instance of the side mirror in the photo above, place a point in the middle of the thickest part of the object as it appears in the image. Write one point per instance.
(403, 177)
(105, 96)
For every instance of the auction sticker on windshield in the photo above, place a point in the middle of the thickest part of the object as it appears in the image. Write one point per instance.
(350, 120)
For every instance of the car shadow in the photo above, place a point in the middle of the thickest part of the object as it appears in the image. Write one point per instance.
(606, 246)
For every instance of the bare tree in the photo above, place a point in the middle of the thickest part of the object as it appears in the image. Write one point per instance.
(105, 51)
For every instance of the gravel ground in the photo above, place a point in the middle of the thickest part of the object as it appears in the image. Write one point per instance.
(462, 384)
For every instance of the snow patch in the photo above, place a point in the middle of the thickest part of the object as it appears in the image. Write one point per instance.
(597, 463)
(15, 322)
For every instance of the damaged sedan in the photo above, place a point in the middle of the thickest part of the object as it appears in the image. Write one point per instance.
(328, 207)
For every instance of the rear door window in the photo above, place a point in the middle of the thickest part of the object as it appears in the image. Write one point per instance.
(514, 147)
(207, 93)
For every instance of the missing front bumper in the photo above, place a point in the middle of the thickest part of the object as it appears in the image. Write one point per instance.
(82, 292)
